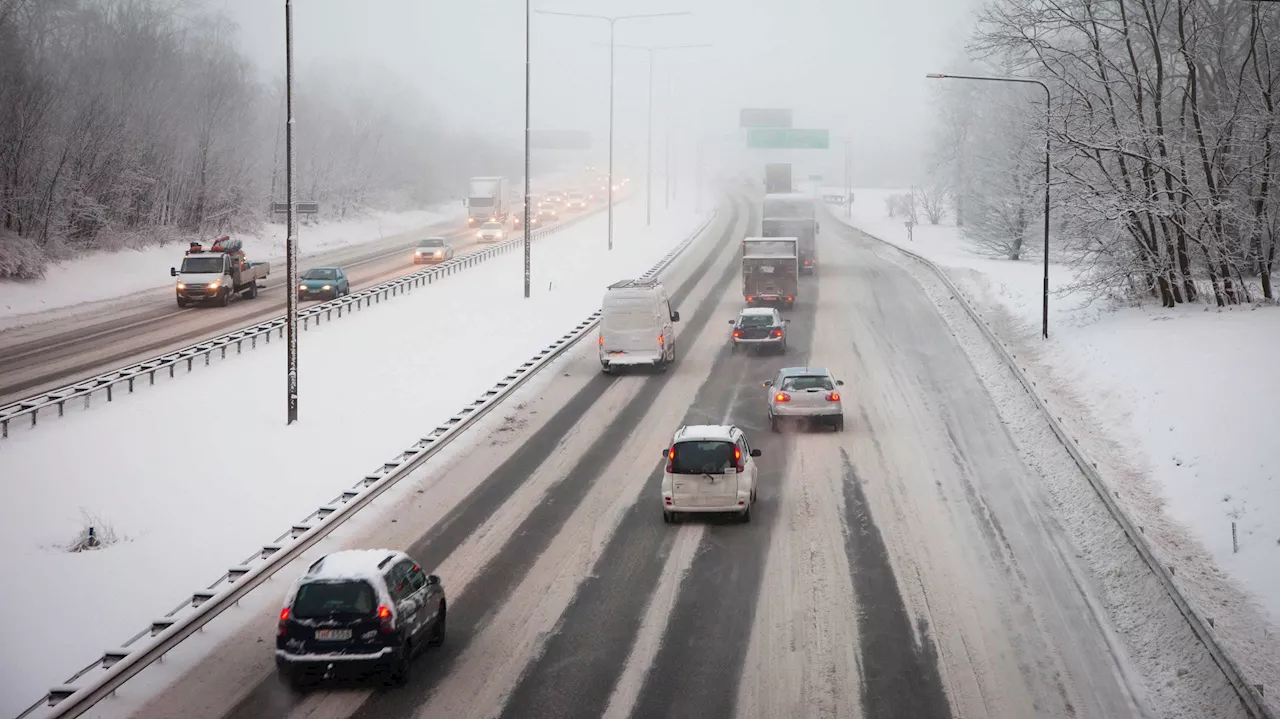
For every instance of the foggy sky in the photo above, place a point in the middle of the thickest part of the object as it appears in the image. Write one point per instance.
(855, 67)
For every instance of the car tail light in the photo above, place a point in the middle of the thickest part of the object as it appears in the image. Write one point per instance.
(737, 334)
(388, 623)
(284, 622)
(671, 459)
(777, 333)
(782, 397)
(602, 339)
(833, 396)
(791, 299)
(661, 341)
(750, 299)
(737, 459)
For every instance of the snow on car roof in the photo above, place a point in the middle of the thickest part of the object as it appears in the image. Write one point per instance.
(758, 311)
(797, 371)
(350, 564)
(706, 431)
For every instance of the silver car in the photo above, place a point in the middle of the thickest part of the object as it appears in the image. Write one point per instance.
(759, 327)
(806, 395)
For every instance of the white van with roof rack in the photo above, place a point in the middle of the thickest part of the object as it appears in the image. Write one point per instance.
(710, 468)
(637, 326)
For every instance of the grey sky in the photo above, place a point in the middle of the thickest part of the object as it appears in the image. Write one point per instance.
(855, 67)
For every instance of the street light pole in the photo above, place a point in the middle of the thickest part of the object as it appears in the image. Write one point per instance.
(526, 150)
(291, 241)
(1048, 102)
(613, 20)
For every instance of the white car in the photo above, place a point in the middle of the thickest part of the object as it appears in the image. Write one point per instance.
(805, 394)
(637, 326)
(710, 468)
(492, 232)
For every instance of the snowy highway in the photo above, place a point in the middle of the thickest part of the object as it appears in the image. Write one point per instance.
(912, 566)
(51, 354)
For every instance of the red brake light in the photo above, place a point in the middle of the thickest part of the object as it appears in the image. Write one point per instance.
(782, 397)
(750, 298)
(384, 616)
(833, 397)
(671, 458)
(601, 339)
(737, 333)
(737, 459)
(660, 340)
(284, 618)
(789, 299)
(777, 333)
(384, 612)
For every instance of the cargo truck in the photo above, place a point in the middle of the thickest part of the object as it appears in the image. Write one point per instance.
(777, 177)
(217, 274)
(770, 271)
(488, 201)
(793, 214)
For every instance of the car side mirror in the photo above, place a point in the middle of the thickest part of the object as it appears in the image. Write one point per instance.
(173, 272)
(731, 322)
(840, 382)
(786, 322)
(665, 452)
(675, 316)
(755, 453)
(768, 383)
(433, 579)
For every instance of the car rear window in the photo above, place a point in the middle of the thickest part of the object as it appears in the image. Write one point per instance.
(322, 599)
(755, 321)
(702, 456)
(808, 382)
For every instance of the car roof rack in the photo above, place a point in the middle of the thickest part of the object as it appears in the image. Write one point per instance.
(645, 282)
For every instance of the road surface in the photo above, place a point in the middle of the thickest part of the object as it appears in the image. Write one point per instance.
(906, 567)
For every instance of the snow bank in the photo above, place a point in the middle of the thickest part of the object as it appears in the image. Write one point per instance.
(106, 276)
(1180, 395)
(199, 473)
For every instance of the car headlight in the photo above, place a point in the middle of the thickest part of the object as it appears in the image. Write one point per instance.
(181, 286)
(439, 253)
(326, 288)
(419, 252)
(302, 287)
(213, 285)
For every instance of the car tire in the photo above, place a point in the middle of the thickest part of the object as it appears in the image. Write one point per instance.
(438, 631)
(839, 423)
(294, 678)
(224, 297)
(606, 368)
(399, 671)
(183, 303)
(745, 515)
(668, 517)
(252, 292)
(661, 364)
(773, 424)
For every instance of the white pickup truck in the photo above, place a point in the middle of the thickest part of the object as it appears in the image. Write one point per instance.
(217, 274)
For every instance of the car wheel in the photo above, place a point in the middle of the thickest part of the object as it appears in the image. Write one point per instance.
(773, 423)
(294, 677)
(182, 303)
(606, 368)
(840, 423)
(399, 674)
(438, 632)
(668, 517)
(661, 364)
(745, 515)
(224, 298)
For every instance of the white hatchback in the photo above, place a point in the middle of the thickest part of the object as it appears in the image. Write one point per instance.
(710, 468)
(805, 394)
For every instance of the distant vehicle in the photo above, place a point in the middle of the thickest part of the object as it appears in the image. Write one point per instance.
(534, 221)
(359, 610)
(805, 394)
(217, 274)
(793, 215)
(547, 212)
(710, 468)
(637, 326)
(432, 250)
(770, 271)
(555, 197)
(576, 201)
(759, 327)
(777, 177)
(321, 282)
(487, 200)
(492, 232)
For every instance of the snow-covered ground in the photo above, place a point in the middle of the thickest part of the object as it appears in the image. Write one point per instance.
(1173, 401)
(198, 473)
(116, 274)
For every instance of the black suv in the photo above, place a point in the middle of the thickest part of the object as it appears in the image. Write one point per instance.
(359, 610)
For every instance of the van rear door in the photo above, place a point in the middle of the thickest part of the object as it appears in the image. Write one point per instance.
(703, 474)
(630, 326)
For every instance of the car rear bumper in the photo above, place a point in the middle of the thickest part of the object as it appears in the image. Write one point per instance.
(634, 357)
(759, 341)
(782, 411)
(303, 661)
(736, 506)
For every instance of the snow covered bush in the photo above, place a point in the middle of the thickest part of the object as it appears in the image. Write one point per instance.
(95, 534)
(20, 257)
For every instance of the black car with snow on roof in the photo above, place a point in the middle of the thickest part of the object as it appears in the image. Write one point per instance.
(357, 611)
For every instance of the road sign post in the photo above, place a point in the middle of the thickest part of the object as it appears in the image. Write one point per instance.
(773, 138)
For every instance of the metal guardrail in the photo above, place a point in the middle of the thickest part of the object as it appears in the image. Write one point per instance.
(146, 370)
(117, 666)
(1251, 696)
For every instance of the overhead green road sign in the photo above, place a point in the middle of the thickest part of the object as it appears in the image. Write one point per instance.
(770, 138)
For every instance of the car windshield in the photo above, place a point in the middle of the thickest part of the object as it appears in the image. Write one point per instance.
(800, 384)
(434, 242)
(755, 321)
(491, 226)
(320, 275)
(702, 457)
(322, 599)
(202, 265)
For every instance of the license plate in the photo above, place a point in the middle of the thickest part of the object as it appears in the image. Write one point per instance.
(332, 635)
(616, 352)
(767, 269)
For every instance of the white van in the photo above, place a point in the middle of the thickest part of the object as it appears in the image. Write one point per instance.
(710, 468)
(637, 325)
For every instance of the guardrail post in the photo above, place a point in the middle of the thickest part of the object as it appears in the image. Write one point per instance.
(108, 393)
(152, 373)
(253, 342)
(130, 390)
(4, 429)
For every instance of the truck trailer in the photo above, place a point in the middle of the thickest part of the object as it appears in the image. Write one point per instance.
(770, 271)
(793, 214)
(488, 201)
